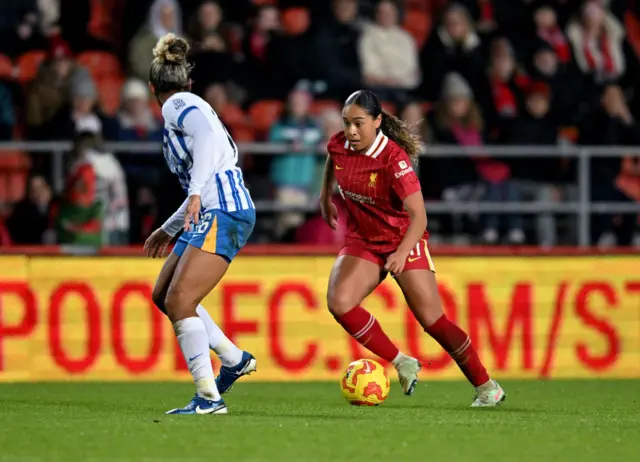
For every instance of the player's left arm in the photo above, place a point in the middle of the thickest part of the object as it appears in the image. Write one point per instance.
(406, 185)
(196, 125)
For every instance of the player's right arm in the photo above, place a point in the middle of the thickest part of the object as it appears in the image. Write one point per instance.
(327, 207)
(156, 244)
(175, 221)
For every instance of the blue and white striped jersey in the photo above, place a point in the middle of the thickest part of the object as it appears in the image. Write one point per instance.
(201, 153)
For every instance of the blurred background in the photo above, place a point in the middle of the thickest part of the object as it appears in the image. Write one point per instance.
(528, 110)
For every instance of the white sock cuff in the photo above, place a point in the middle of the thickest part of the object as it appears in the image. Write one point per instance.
(188, 324)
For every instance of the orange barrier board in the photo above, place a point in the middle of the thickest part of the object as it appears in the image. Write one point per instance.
(91, 318)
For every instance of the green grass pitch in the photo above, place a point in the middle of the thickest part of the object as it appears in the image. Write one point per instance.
(582, 421)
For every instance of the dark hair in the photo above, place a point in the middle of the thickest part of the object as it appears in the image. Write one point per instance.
(169, 69)
(394, 128)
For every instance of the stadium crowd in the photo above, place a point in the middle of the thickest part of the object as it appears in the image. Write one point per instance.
(464, 72)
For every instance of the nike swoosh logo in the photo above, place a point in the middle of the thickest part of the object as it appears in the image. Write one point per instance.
(199, 410)
(412, 259)
(339, 168)
(196, 356)
(212, 410)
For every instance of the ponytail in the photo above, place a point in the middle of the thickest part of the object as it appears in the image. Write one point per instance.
(399, 131)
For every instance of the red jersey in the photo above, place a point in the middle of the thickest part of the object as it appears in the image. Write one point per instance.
(374, 184)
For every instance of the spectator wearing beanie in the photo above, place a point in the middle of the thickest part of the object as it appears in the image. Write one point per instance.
(83, 105)
(458, 121)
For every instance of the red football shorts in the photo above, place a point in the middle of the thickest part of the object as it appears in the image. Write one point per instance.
(419, 257)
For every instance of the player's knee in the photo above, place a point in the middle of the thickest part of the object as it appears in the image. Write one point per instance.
(339, 302)
(178, 304)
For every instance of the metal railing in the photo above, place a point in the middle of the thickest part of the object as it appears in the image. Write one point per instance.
(583, 208)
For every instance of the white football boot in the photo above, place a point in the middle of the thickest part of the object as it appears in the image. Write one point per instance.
(408, 369)
(489, 395)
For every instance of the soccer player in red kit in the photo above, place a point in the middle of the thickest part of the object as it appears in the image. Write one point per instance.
(371, 162)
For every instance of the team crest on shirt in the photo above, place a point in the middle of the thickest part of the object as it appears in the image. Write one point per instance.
(372, 180)
(178, 104)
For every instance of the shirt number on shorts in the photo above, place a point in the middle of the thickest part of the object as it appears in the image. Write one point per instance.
(201, 228)
(419, 251)
(416, 252)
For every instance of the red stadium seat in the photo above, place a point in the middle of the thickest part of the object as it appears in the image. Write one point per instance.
(417, 5)
(233, 116)
(264, 113)
(243, 135)
(322, 105)
(14, 169)
(100, 64)
(295, 21)
(418, 24)
(109, 94)
(6, 68)
(29, 64)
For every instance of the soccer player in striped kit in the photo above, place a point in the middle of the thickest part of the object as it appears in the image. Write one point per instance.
(371, 162)
(218, 217)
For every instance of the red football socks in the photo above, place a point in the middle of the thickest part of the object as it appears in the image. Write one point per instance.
(366, 329)
(457, 343)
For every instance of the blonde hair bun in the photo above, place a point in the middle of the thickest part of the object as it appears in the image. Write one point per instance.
(171, 49)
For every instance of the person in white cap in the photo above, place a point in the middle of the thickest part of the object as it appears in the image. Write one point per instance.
(136, 122)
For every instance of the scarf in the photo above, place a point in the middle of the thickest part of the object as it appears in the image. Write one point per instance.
(558, 42)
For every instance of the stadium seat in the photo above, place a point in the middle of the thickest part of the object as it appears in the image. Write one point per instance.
(14, 169)
(243, 135)
(109, 94)
(101, 64)
(264, 113)
(295, 21)
(6, 68)
(233, 116)
(322, 105)
(417, 5)
(418, 24)
(29, 64)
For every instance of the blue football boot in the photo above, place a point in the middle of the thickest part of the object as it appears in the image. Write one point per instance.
(200, 405)
(228, 375)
